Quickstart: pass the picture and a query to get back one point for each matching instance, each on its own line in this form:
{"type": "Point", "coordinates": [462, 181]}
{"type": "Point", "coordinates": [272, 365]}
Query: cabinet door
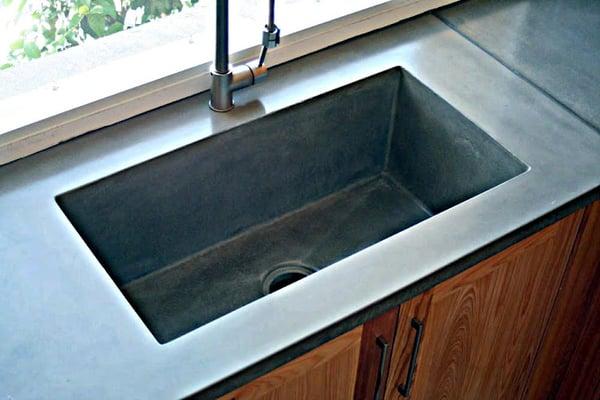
{"type": "Point", "coordinates": [482, 328]}
{"type": "Point", "coordinates": [375, 353]}
{"type": "Point", "coordinates": [568, 364]}
{"type": "Point", "coordinates": [327, 372]}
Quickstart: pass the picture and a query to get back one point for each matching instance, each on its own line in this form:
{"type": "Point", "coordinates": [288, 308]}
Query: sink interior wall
{"type": "Point", "coordinates": [152, 215]}
{"type": "Point", "coordinates": [189, 236]}
{"type": "Point", "coordinates": [439, 155]}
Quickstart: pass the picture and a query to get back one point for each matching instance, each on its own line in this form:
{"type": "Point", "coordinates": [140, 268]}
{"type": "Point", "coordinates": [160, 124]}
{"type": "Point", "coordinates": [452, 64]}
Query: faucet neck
{"type": "Point", "coordinates": [222, 34]}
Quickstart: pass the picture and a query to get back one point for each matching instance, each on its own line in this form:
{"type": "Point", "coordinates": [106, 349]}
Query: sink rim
{"type": "Point", "coordinates": [404, 81]}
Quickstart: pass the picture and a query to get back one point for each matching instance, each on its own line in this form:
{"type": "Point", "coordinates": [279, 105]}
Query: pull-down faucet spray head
{"type": "Point", "coordinates": [271, 34]}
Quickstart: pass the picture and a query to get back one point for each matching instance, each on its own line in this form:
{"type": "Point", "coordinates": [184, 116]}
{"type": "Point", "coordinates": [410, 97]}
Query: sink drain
{"type": "Point", "coordinates": [285, 274]}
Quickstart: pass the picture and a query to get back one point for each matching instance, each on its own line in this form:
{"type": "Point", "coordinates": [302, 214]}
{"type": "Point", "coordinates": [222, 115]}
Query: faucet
{"type": "Point", "coordinates": [226, 78]}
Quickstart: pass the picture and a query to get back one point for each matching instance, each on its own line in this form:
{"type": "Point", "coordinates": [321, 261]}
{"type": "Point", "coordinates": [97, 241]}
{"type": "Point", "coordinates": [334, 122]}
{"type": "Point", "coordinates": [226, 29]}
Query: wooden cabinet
{"type": "Point", "coordinates": [375, 356]}
{"type": "Point", "coordinates": [523, 324]}
{"type": "Point", "coordinates": [482, 328]}
{"type": "Point", "coordinates": [327, 372]}
{"type": "Point", "coordinates": [568, 364]}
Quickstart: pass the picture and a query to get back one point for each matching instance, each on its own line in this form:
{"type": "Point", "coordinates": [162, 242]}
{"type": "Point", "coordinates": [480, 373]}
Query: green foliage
{"type": "Point", "coordinates": [59, 24]}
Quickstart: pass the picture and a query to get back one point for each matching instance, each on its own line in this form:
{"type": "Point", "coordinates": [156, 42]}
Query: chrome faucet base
{"type": "Point", "coordinates": [224, 84]}
{"type": "Point", "coordinates": [221, 96]}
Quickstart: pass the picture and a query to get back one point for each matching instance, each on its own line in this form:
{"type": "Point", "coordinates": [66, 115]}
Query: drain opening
{"type": "Point", "coordinates": [285, 274]}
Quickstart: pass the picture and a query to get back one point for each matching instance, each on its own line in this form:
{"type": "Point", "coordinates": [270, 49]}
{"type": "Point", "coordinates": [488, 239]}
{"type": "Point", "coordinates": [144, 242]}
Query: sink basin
{"type": "Point", "coordinates": [199, 232]}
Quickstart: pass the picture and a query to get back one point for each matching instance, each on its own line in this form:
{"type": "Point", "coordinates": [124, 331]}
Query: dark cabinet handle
{"type": "Point", "coordinates": [418, 327]}
{"type": "Point", "coordinates": [383, 366]}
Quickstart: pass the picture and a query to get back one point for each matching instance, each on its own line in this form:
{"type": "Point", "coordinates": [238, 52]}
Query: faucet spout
{"type": "Point", "coordinates": [222, 45]}
{"type": "Point", "coordinates": [227, 79]}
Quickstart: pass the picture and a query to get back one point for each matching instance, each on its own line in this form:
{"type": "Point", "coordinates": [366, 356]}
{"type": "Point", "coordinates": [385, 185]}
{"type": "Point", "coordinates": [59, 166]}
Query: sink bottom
{"type": "Point", "coordinates": [192, 292]}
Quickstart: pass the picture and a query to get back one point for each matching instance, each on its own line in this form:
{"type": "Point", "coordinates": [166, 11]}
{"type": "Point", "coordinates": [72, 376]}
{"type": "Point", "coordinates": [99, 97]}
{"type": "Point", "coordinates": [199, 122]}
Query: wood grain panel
{"type": "Point", "coordinates": [482, 328]}
{"type": "Point", "coordinates": [568, 364]}
{"type": "Point", "coordinates": [327, 372]}
{"type": "Point", "coordinates": [383, 326]}
{"type": "Point", "coordinates": [582, 380]}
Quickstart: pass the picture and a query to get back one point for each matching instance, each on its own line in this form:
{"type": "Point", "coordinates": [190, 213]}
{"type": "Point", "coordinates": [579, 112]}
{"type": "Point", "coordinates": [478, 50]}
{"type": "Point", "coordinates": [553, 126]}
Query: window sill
{"type": "Point", "coordinates": [63, 109]}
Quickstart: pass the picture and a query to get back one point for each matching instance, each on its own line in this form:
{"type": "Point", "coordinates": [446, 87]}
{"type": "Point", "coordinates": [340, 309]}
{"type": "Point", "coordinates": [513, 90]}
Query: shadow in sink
{"type": "Point", "coordinates": [193, 234]}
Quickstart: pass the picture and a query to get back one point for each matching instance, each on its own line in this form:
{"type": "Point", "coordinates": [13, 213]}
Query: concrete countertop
{"type": "Point", "coordinates": [553, 44]}
{"type": "Point", "coordinates": [68, 332]}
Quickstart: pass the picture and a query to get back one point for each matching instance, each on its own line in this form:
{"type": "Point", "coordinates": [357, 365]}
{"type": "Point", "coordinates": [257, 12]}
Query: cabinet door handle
{"type": "Point", "coordinates": [410, 375]}
{"type": "Point", "coordinates": [383, 366]}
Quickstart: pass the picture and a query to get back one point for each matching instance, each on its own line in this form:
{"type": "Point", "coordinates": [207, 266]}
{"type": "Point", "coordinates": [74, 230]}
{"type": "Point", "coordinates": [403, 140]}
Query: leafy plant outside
{"type": "Point", "coordinates": [42, 27]}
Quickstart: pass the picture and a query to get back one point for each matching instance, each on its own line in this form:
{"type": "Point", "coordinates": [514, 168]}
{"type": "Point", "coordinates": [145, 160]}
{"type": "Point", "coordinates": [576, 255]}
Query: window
{"type": "Point", "coordinates": [35, 28]}
{"type": "Point", "coordinates": [113, 65]}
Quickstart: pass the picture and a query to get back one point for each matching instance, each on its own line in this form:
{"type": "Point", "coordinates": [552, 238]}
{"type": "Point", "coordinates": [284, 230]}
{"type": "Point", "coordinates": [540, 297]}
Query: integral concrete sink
{"type": "Point", "coordinates": [197, 233]}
